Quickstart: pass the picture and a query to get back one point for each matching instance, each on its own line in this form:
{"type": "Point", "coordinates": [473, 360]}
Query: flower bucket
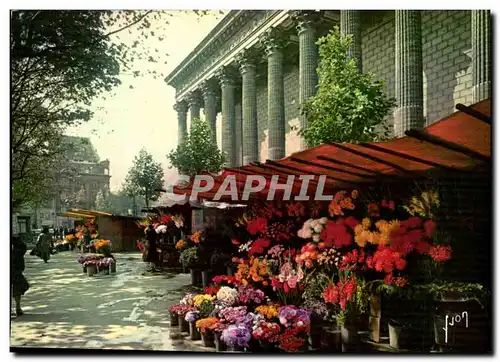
{"type": "Point", "coordinates": [331, 339]}
{"type": "Point", "coordinates": [174, 319]}
{"type": "Point", "coordinates": [91, 270]}
{"type": "Point", "coordinates": [105, 271]}
{"type": "Point", "coordinates": [113, 268]}
{"type": "Point", "coordinates": [183, 324]}
{"type": "Point", "coordinates": [84, 270]}
{"type": "Point", "coordinates": [266, 347]}
{"type": "Point", "coordinates": [236, 349]}
{"type": "Point", "coordinates": [194, 276]}
{"type": "Point", "coordinates": [204, 278]}
{"type": "Point", "coordinates": [194, 333]}
{"type": "Point", "coordinates": [219, 344]}
{"type": "Point", "coordinates": [349, 335]}
{"type": "Point", "coordinates": [229, 270]}
{"type": "Point", "coordinates": [315, 334]}
{"type": "Point", "coordinates": [396, 334]}
{"type": "Point", "coordinates": [207, 338]}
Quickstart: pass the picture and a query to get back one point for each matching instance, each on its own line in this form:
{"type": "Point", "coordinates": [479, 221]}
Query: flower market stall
{"type": "Point", "coordinates": [397, 252]}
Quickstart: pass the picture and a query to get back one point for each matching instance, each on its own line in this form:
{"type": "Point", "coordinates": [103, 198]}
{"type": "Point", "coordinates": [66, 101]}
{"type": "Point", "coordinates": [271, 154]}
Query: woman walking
{"type": "Point", "coordinates": [44, 244]}
{"type": "Point", "coordinates": [18, 282]}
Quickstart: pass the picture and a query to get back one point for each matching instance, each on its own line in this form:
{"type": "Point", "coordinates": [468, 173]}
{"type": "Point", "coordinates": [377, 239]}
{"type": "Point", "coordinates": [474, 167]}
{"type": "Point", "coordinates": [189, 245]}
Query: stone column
{"type": "Point", "coordinates": [195, 103]}
{"type": "Point", "coordinates": [226, 77]}
{"type": "Point", "coordinates": [247, 63]}
{"type": "Point", "coordinates": [409, 80]}
{"type": "Point", "coordinates": [308, 61]}
{"type": "Point", "coordinates": [481, 55]}
{"type": "Point", "coordinates": [181, 107]}
{"type": "Point", "coordinates": [350, 25]}
{"type": "Point", "coordinates": [209, 97]}
{"type": "Point", "coordinates": [275, 94]}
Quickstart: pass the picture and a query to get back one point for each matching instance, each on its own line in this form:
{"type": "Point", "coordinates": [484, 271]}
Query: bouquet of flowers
{"type": "Point", "coordinates": [189, 257]}
{"type": "Point", "coordinates": [292, 316]}
{"type": "Point", "coordinates": [270, 311]}
{"type": "Point", "coordinates": [192, 316]}
{"type": "Point", "coordinates": [312, 229]}
{"type": "Point", "coordinates": [207, 324]}
{"type": "Point", "coordinates": [103, 246]}
{"type": "Point", "coordinates": [188, 299]}
{"type": "Point", "coordinates": [232, 315]}
{"type": "Point", "coordinates": [181, 244]}
{"type": "Point", "coordinates": [200, 298]}
{"type": "Point", "coordinates": [105, 262]}
{"type": "Point", "coordinates": [236, 335]}
{"type": "Point", "coordinates": [224, 279]}
{"type": "Point", "coordinates": [228, 295]}
{"type": "Point", "coordinates": [266, 331]}
{"type": "Point", "coordinates": [161, 229]}
{"type": "Point", "coordinates": [180, 309]}
{"type": "Point", "coordinates": [249, 294]}
{"type": "Point", "coordinates": [211, 289]}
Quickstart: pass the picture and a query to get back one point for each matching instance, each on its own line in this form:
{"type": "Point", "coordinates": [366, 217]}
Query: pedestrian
{"type": "Point", "coordinates": [152, 253]}
{"type": "Point", "coordinates": [44, 244]}
{"type": "Point", "coordinates": [18, 282]}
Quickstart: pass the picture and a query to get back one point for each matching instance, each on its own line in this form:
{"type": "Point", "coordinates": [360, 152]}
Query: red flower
{"type": "Point", "coordinates": [430, 228]}
{"type": "Point", "coordinates": [351, 222]}
{"type": "Point", "coordinates": [211, 289]}
{"type": "Point", "coordinates": [422, 247]}
{"type": "Point", "coordinates": [290, 253]}
{"type": "Point", "coordinates": [258, 225]}
{"type": "Point", "coordinates": [413, 222]}
{"type": "Point", "coordinates": [331, 294]}
{"type": "Point", "coordinates": [440, 253]}
{"type": "Point", "coordinates": [335, 234]}
{"type": "Point", "coordinates": [258, 246]}
{"type": "Point", "coordinates": [235, 241]}
{"type": "Point", "coordinates": [290, 342]}
{"type": "Point", "coordinates": [297, 209]}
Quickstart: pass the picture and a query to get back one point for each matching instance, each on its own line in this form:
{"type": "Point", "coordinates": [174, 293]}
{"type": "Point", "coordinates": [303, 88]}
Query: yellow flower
{"type": "Point", "coordinates": [198, 299]}
{"type": "Point", "coordinates": [366, 222]}
{"type": "Point", "coordinates": [179, 244]}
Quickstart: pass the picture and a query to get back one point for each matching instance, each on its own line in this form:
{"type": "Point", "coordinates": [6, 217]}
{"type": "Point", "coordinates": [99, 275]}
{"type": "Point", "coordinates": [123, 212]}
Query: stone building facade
{"type": "Point", "coordinates": [252, 72]}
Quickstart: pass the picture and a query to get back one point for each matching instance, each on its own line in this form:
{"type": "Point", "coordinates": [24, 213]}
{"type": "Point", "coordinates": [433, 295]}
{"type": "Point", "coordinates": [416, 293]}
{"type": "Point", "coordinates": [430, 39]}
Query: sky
{"type": "Point", "coordinates": [144, 116]}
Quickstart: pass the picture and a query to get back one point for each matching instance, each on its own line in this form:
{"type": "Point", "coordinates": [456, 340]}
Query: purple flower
{"type": "Point", "coordinates": [232, 314]}
{"type": "Point", "coordinates": [250, 295]}
{"type": "Point", "coordinates": [316, 308]}
{"type": "Point", "coordinates": [290, 315]}
{"type": "Point", "coordinates": [236, 335]}
{"type": "Point", "coordinates": [192, 316]}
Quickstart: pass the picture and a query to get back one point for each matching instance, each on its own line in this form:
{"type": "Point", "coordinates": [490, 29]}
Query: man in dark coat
{"type": "Point", "coordinates": [18, 282]}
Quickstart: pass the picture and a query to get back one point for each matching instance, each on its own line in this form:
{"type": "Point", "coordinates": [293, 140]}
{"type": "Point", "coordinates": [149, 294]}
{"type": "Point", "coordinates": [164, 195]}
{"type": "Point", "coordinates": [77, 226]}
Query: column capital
{"type": "Point", "coordinates": [273, 41]}
{"type": "Point", "coordinates": [194, 98]}
{"type": "Point", "coordinates": [305, 19]}
{"type": "Point", "coordinates": [181, 106]}
{"type": "Point", "coordinates": [247, 60]}
{"type": "Point", "coordinates": [227, 75]}
{"type": "Point", "coordinates": [208, 88]}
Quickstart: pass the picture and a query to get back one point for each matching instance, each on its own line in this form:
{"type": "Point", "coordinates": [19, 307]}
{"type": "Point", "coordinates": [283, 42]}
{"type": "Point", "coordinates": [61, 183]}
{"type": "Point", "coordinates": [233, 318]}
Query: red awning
{"type": "Point", "coordinates": [457, 142]}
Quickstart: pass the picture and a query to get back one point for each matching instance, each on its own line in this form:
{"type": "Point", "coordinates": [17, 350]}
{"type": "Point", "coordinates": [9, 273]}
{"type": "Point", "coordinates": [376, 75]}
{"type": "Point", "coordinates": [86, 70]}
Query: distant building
{"type": "Point", "coordinates": [91, 176]}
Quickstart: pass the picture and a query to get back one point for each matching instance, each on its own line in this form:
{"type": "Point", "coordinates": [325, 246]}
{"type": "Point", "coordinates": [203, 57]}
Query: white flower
{"type": "Point", "coordinates": [227, 294]}
{"type": "Point", "coordinates": [307, 234]}
{"type": "Point", "coordinates": [161, 229]}
{"type": "Point", "coordinates": [318, 228]}
{"type": "Point", "coordinates": [323, 220]}
{"type": "Point", "coordinates": [299, 233]}
{"type": "Point", "coordinates": [307, 224]}
{"type": "Point", "coordinates": [316, 238]}
{"type": "Point", "coordinates": [313, 224]}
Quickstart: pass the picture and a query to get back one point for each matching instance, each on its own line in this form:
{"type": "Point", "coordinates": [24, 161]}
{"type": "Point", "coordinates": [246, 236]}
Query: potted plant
{"type": "Point", "coordinates": [191, 317]}
{"type": "Point", "coordinates": [189, 259]}
{"type": "Point", "coordinates": [172, 310]}
{"type": "Point", "coordinates": [207, 326]}
{"type": "Point", "coordinates": [182, 310]}
{"type": "Point", "coordinates": [236, 337]}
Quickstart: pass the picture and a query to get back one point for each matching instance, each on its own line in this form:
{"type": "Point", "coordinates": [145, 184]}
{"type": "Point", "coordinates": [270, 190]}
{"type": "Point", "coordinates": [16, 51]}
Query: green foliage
{"type": "Point", "coordinates": [316, 283]}
{"type": "Point", "coordinates": [198, 153]}
{"type": "Point", "coordinates": [144, 177]}
{"type": "Point", "coordinates": [206, 308]}
{"type": "Point", "coordinates": [189, 257]}
{"type": "Point", "coordinates": [61, 60]}
{"type": "Point", "coordinates": [102, 202]}
{"type": "Point", "coordinates": [349, 106]}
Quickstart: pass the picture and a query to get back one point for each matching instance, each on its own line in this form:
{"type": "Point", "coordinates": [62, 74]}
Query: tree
{"type": "Point", "coordinates": [60, 62]}
{"type": "Point", "coordinates": [349, 106]}
{"type": "Point", "coordinates": [103, 202]}
{"type": "Point", "coordinates": [144, 178]}
{"type": "Point", "coordinates": [198, 153]}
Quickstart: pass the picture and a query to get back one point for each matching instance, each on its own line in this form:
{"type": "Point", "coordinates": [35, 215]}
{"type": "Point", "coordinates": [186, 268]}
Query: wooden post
{"type": "Point", "coordinates": [375, 315]}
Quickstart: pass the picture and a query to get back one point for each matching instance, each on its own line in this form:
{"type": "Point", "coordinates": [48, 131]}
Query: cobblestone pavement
{"type": "Point", "coordinates": [64, 308]}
